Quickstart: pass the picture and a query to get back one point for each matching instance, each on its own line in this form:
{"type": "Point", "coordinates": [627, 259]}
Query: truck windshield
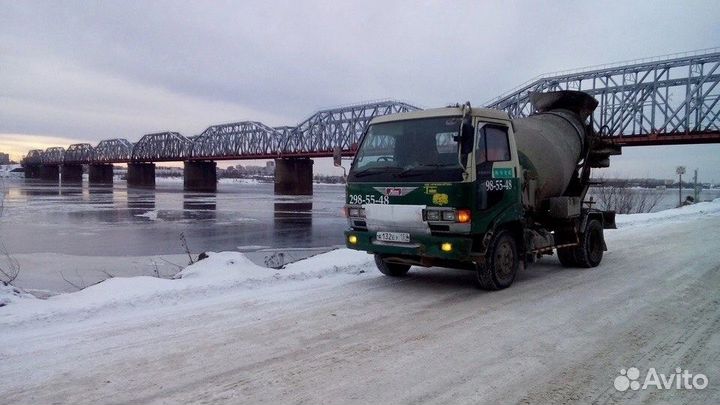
{"type": "Point", "coordinates": [410, 151]}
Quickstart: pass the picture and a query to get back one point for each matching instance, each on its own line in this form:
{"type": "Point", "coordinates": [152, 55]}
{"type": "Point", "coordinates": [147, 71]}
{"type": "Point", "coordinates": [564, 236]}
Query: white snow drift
{"type": "Point", "coordinates": [219, 272]}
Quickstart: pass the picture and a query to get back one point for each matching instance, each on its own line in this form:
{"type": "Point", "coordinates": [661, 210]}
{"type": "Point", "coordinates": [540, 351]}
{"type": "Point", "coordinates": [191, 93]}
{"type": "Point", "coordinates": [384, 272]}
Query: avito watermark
{"type": "Point", "coordinates": [679, 380]}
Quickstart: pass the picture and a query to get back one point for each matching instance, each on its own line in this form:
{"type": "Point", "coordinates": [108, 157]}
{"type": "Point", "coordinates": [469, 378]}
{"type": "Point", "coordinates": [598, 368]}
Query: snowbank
{"type": "Point", "coordinates": [212, 276]}
{"type": "Point", "coordinates": [671, 215]}
{"type": "Point", "coordinates": [10, 294]}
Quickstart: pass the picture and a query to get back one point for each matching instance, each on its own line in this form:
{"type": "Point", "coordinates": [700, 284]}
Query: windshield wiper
{"type": "Point", "coordinates": [423, 169]}
{"type": "Point", "coordinates": [437, 165]}
{"type": "Point", "coordinates": [374, 170]}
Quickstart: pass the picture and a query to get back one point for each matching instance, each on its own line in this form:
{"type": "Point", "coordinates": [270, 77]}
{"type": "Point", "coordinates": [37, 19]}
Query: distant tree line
{"type": "Point", "coordinates": [651, 183]}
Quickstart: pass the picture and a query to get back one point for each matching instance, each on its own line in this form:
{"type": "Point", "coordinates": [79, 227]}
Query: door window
{"type": "Point", "coordinates": [493, 145]}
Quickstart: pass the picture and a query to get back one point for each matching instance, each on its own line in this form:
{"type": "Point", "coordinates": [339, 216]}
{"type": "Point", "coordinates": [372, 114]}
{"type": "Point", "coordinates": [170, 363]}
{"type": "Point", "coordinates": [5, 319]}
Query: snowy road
{"type": "Point", "coordinates": [351, 335]}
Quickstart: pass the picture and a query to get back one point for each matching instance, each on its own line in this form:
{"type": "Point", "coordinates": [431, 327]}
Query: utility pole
{"type": "Point", "coordinates": [680, 170]}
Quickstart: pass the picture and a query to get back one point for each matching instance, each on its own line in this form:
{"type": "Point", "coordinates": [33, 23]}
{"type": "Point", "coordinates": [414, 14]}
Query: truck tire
{"type": "Point", "coordinates": [501, 263]}
{"type": "Point", "coordinates": [391, 269]}
{"type": "Point", "coordinates": [590, 251]}
{"type": "Point", "coordinates": [567, 256]}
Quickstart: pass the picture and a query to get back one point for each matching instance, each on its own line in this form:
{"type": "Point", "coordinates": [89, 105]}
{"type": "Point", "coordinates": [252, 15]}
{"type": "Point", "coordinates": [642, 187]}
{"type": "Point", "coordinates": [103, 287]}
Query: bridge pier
{"type": "Point", "coordinates": [71, 173]}
{"type": "Point", "coordinates": [200, 176]}
{"type": "Point", "coordinates": [50, 172]}
{"type": "Point", "coordinates": [141, 174]}
{"type": "Point", "coordinates": [32, 171]}
{"type": "Point", "coordinates": [294, 176]}
{"type": "Point", "coordinates": [101, 173]}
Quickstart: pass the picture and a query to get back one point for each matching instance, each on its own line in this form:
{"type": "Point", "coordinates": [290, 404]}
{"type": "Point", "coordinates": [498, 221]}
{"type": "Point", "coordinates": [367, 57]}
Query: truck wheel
{"type": "Point", "coordinates": [590, 251]}
{"type": "Point", "coordinates": [391, 269]}
{"type": "Point", "coordinates": [501, 264]}
{"type": "Point", "coordinates": [567, 256]}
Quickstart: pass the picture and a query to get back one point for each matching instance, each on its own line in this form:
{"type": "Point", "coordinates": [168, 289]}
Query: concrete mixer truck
{"type": "Point", "coordinates": [471, 188]}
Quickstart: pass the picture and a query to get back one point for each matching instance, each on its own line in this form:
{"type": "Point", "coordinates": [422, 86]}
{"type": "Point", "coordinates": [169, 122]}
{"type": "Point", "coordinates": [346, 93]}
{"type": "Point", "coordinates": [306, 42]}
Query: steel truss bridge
{"type": "Point", "coordinates": [317, 136]}
{"type": "Point", "coordinates": [659, 101]}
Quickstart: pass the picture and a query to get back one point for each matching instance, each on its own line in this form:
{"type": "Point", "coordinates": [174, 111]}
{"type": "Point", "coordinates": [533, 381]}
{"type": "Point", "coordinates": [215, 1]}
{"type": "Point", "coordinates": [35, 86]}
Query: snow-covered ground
{"type": "Point", "coordinates": [331, 329]}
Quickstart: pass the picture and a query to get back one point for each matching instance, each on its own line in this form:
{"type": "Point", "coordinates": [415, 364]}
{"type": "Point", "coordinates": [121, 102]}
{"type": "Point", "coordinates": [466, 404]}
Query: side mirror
{"type": "Point", "coordinates": [337, 156]}
{"type": "Point", "coordinates": [466, 136]}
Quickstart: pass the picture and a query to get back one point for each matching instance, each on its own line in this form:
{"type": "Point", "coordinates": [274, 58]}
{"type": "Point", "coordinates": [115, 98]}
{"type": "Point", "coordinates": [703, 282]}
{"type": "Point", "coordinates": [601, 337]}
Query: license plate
{"type": "Point", "coordinates": [393, 237]}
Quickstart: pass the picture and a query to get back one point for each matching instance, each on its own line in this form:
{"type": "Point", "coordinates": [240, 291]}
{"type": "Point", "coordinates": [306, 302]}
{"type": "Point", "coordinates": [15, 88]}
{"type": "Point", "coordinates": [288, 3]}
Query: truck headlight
{"type": "Point", "coordinates": [448, 215]}
{"type": "Point", "coordinates": [356, 212]}
{"type": "Point", "coordinates": [432, 215]}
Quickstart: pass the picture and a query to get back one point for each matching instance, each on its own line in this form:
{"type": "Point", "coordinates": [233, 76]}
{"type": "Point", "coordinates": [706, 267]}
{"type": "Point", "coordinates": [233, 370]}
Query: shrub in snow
{"type": "Point", "coordinates": [9, 294]}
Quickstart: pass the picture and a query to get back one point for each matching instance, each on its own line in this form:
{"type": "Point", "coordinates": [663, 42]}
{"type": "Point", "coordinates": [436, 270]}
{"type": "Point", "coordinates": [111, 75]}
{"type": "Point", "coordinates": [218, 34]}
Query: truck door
{"type": "Point", "coordinates": [496, 173]}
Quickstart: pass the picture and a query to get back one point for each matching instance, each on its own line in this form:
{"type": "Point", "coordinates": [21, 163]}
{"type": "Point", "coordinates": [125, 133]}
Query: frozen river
{"type": "Point", "coordinates": [80, 232]}
{"type": "Point", "coordinates": [106, 221]}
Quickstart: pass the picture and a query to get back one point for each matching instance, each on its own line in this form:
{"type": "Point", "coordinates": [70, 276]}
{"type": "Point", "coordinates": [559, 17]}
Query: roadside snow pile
{"type": "Point", "coordinates": [10, 294]}
{"type": "Point", "coordinates": [226, 267]}
{"type": "Point", "coordinates": [233, 267]}
{"type": "Point", "coordinates": [218, 273]}
{"type": "Point", "coordinates": [671, 215]}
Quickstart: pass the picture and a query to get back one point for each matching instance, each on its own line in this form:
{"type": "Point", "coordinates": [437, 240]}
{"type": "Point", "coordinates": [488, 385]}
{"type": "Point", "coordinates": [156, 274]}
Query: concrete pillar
{"type": "Point", "coordinates": [71, 173]}
{"type": "Point", "coordinates": [294, 176]}
{"type": "Point", "coordinates": [200, 176]}
{"type": "Point", "coordinates": [141, 174]}
{"type": "Point", "coordinates": [100, 173]}
{"type": "Point", "coordinates": [32, 171]}
{"type": "Point", "coordinates": [50, 172]}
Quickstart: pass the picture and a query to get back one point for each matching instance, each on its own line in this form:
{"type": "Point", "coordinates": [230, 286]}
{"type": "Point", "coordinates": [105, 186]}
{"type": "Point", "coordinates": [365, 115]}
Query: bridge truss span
{"type": "Point", "coordinates": [113, 151]}
{"type": "Point", "coordinates": [162, 147]}
{"type": "Point", "coordinates": [79, 153]}
{"type": "Point", "coordinates": [227, 141]}
{"type": "Point", "coordinates": [339, 127]}
{"type": "Point", "coordinates": [53, 156]}
{"type": "Point", "coordinates": [34, 157]}
{"type": "Point", "coordinates": [667, 101]}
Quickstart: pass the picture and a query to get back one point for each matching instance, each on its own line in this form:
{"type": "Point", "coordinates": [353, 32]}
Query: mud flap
{"type": "Point", "coordinates": [608, 220]}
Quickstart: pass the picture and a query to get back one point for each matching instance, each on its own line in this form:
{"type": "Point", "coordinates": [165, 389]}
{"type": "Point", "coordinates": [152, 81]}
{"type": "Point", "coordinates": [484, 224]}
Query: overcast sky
{"type": "Point", "coordinates": [86, 71]}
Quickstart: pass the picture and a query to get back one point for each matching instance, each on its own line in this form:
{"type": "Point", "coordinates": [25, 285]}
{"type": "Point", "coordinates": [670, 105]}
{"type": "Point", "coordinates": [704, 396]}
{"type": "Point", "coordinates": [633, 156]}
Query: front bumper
{"type": "Point", "coordinates": [421, 246]}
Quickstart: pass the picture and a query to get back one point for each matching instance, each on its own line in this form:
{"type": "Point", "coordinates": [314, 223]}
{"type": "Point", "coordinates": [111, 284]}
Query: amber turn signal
{"type": "Point", "coordinates": [463, 216]}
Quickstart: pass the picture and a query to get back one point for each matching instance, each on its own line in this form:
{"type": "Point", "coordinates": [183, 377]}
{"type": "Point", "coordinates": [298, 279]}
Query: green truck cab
{"type": "Point", "coordinates": [450, 187]}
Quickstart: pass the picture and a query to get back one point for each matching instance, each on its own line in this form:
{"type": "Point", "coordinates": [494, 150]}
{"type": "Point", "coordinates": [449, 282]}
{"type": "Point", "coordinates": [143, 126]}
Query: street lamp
{"type": "Point", "coordinates": [680, 170]}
